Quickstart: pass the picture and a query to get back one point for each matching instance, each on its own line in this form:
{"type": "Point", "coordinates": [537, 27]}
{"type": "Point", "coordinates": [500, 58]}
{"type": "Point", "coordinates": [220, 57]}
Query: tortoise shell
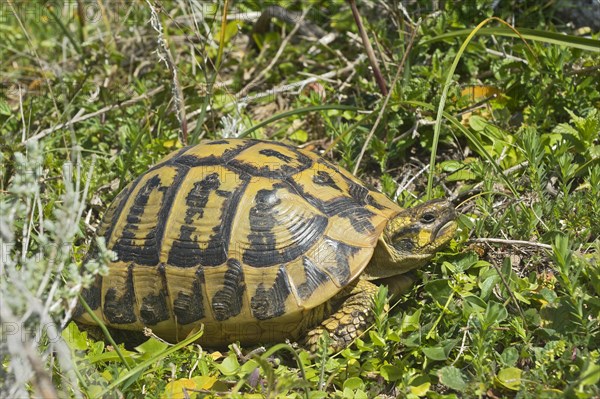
{"type": "Point", "coordinates": [246, 237]}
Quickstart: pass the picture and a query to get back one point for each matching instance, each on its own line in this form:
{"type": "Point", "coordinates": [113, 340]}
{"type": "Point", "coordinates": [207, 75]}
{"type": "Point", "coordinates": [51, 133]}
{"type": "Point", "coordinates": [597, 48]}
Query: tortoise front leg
{"type": "Point", "coordinates": [355, 314]}
{"type": "Point", "coordinates": [352, 318]}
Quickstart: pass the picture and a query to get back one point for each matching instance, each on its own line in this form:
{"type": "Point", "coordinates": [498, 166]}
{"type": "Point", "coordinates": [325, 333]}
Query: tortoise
{"type": "Point", "coordinates": [259, 242]}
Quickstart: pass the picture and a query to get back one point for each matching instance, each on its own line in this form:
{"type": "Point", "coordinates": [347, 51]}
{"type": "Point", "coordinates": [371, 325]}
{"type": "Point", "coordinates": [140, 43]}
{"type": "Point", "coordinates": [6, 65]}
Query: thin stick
{"type": "Point", "coordinates": [164, 54]}
{"type": "Point", "coordinates": [283, 45]}
{"type": "Point", "coordinates": [101, 111]}
{"type": "Point", "coordinates": [387, 98]}
{"type": "Point", "coordinates": [289, 87]}
{"type": "Point", "coordinates": [512, 295]}
{"type": "Point", "coordinates": [222, 36]}
{"type": "Point", "coordinates": [512, 242]}
{"type": "Point", "coordinates": [365, 39]}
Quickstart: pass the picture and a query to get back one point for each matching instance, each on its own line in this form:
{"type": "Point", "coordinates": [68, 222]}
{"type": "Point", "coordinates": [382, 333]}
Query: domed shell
{"type": "Point", "coordinates": [234, 234]}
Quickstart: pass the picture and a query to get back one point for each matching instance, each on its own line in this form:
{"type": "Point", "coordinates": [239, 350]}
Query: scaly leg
{"type": "Point", "coordinates": [353, 316]}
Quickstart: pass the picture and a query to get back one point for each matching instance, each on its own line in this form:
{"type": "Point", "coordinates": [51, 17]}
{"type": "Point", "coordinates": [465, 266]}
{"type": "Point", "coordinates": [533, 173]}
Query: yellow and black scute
{"type": "Point", "coordinates": [247, 237]}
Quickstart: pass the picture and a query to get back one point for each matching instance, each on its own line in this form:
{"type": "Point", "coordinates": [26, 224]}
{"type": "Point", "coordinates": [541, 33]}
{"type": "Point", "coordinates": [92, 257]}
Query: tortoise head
{"type": "Point", "coordinates": [412, 237]}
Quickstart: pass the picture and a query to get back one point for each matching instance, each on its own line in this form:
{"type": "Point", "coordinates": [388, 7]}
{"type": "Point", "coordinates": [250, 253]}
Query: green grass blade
{"type": "Point", "coordinates": [440, 110]}
{"type": "Point", "coordinates": [137, 370]}
{"type": "Point", "coordinates": [477, 146]}
{"type": "Point", "coordinates": [559, 39]}
{"type": "Point", "coordinates": [438, 120]}
{"type": "Point", "coordinates": [64, 29]}
{"type": "Point", "coordinates": [104, 329]}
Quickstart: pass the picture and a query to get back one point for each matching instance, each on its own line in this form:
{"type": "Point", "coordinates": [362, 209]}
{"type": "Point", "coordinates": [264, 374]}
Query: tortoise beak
{"type": "Point", "coordinates": [446, 227]}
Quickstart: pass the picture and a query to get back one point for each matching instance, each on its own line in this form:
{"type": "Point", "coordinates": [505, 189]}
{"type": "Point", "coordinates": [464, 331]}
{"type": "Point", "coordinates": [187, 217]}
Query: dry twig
{"type": "Point", "coordinates": [512, 242]}
{"type": "Point", "coordinates": [80, 118]}
{"type": "Point", "coordinates": [284, 44]}
{"type": "Point", "coordinates": [365, 39]}
{"type": "Point", "coordinates": [387, 98]}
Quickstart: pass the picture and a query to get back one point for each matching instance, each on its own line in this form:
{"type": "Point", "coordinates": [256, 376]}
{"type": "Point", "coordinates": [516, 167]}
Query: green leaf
{"type": "Point", "coordinates": [76, 339]}
{"type": "Point", "coordinates": [229, 366]}
{"type": "Point", "coordinates": [390, 373]}
{"type": "Point", "coordinates": [249, 366]}
{"type": "Point", "coordinates": [299, 135]}
{"type": "Point", "coordinates": [591, 375]}
{"type": "Point", "coordinates": [462, 175]}
{"type": "Point", "coordinates": [180, 389]}
{"type": "Point", "coordinates": [420, 386]}
{"type": "Point", "coordinates": [435, 353]}
{"type": "Point", "coordinates": [488, 285]}
{"type": "Point", "coordinates": [360, 394]}
{"type": "Point", "coordinates": [439, 290]}
{"type": "Point", "coordinates": [4, 108]}
{"type": "Point", "coordinates": [354, 383]}
{"type": "Point", "coordinates": [317, 394]}
{"type": "Point", "coordinates": [231, 29]}
{"type": "Point", "coordinates": [477, 123]}
{"type": "Point", "coordinates": [412, 322]}
{"type": "Point", "coordinates": [510, 378]}
{"type": "Point", "coordinates": [494, 314]}
{"type": "Point", "coordinates": [475, 301]}
{"type": "Point", "coordinates": [510, 356]}
{"type": "Point", "coordinates": [452, 377]}
{"type": "Point", "coordinates": [377, 339]}
{"type": "Point", "coordinates": [151, 347]}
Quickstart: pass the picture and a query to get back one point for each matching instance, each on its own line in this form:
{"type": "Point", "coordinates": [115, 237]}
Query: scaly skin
{"type": "Point", "coordinates": [355, 313]}
{"type": "Point", "coordinates": [350, 320]}
{"type": "Point", "coordinates": [409, 241]}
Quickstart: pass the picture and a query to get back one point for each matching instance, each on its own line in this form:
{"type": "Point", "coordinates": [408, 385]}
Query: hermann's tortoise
{"type": "Point", "coordinates": [259, 242]}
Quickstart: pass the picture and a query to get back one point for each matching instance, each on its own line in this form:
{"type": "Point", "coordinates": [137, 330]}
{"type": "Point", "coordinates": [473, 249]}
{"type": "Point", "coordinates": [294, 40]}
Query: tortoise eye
{"type": "Point", "coordinates": [427, 218]}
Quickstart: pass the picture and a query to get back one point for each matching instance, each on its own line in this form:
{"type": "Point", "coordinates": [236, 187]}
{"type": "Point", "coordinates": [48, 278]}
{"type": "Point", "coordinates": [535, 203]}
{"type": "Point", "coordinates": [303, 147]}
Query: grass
{"type": "Point", "coordinates": [504, 122]}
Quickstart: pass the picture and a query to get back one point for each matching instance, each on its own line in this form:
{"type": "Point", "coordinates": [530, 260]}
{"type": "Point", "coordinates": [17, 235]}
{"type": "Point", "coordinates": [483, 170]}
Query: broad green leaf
{"type": "Point", "coordinates": [249, 366]}
{"type": "Point", "coordinates": [420, 385]}
{"type": "Point", "coordinates": [495, 313]}
{"type": "Point", "coordinates": [76, 339]}
{"type": "Point", "coordinates": [150, 348]}
{"type": "Point", "coordinates": [440, 290]}
{"type": "Point", "coordinates": [488, 284]}
{"type": "Point", "coordinates": [412, 322]}
{"type": "Point", "coordinates": [452, 377]}
{"type": "Point", "coordinates": [435, 353]}
{"type": "Point", "coordinates": [4, 108]}
{"type": "Point", "coordinates": [510, 378]}
{"type": "Point", "coordinates": [510, 356]}
{"type": "Point", "coordinates": [360, 394]}
{"type": "Point", "coordinates": [317, 394]}
{"type": "Point", "coordinates": [377, 339]}
{"type": "Point", "coordinates": [591, 375]}
{"type": "Point", "coordinates": [205, 381]}
{"type": "Point", "coordinates": [390, 373]}
{"type": "Point", "coordinates": [354, 383]}
{"type": "Point", "coordinates": [300, 136]}
{"type": "Point", "coordinates": [475, 301]}
{"type": "Point", "coordinates": [229, 365]}
{"type": "Point", "coordinates": [461, 175]}
{"type": "Point", "coordinates": [420, 390]}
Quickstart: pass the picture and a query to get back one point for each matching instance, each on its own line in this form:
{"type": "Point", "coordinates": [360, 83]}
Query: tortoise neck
{"type": "Point", "coordinates": [386, 262]}
{"type": "Point", "coordinates": [381, 264]}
